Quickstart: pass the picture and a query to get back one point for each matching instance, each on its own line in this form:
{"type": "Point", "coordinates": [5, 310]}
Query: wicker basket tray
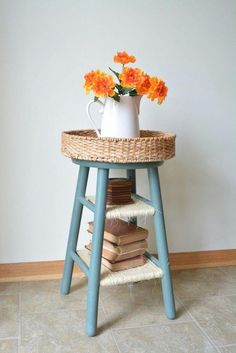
{"type": "Point", "coordinates": [151, 146]}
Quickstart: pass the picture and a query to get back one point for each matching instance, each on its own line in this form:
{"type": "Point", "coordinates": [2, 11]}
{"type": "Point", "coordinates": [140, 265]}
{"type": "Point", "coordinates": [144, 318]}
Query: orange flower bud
{"type": "Point", "coordinates": [124, 58]}
{"type": "Point", "coordinates": [158, 90]}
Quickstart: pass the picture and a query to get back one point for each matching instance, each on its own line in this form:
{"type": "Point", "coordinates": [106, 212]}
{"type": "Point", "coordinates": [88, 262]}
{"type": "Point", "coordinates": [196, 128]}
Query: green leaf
{"type": "Point", "coordinates": [115, 73]}
{"type": "Point", "coordinates": [133, 93]}
{"type": "Point", "coordinates": [119, 88]}
{"type": "Point", "coordinates": [127, 90]}
{"type": "Point", "coordinates": [122, 90]}
{"type": "Point", "coordinates": [116, 97]}
{"type": "Point", "coordinates": [96, 99]}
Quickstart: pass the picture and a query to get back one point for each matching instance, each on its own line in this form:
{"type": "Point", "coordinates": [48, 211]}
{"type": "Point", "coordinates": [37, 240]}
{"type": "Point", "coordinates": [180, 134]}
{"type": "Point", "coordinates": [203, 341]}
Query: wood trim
{"type": "Point", "coordinates": [29, 271]}
{"type": "Point", "coordinates": [199, 259]}
{"type": "Point", "coordinates": [34, 271]}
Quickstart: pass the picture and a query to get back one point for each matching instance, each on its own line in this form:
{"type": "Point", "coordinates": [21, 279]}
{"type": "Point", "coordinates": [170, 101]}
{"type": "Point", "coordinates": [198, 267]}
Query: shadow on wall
{"type": "Point", "coordinates": [195, 200]}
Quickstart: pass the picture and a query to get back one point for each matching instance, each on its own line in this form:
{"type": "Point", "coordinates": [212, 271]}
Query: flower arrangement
{"type": "Point", "coordinates": [132, 82]}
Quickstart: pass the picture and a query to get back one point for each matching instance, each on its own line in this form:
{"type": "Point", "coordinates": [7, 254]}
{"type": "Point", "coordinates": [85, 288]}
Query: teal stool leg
{"type": "Point", "coordinates": [161, 243]}
{"type": "Point", "coordinates": [132, 176]}
{"type": "Point", "coordinates": [74, 229]}
{"type": "Point", "coordinates": [95, 261]}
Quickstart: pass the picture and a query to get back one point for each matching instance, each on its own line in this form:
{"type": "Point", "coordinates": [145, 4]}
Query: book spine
{"type": "Point", "coordinates": [107, 236]}
{"type": "Point", "coordinates": [110, 256]}
{"type": "Point", "coordinates": [130, 255]}
{"type": "Point", "coordinates": [131, 239]}
{"type": "Point", "coordinates": [126, 264]}
{"type": "Point", "coordinates": [123, 249]}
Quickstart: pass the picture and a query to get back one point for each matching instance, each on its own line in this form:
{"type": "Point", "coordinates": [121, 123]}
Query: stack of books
{"type": "Point", "coordinates": [124, 244]}
{"type": "Point", "coordinates": [119, 191]}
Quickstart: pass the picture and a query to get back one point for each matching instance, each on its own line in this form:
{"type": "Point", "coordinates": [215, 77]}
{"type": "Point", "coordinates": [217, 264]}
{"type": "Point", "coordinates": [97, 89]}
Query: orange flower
{"type": "Point", "coordinates": [124, 58]}
{"type": "Point", "coordinates": [103, 85]}
{"type": "Point", "coordinates": [100, 83]}
{"type": "Point", "coordinates": [131, 78]}
{"type": "Point", "coordinates": [144, 86]}
{"type": "Point", "coordinates": [89, 80]}
{"type": "Point", "coordinates": [158, 90]}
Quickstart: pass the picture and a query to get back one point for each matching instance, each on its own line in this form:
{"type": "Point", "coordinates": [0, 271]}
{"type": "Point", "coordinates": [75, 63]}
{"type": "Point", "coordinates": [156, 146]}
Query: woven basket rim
{"type": "Point", "coordinates": [162, 134]}
{"type": "Point", "coordinates": [152, 146]}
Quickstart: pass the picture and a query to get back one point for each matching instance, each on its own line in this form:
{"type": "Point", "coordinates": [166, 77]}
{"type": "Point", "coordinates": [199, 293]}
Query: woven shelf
{"type": "Point", "coordinates": [136, 209]}
{"type": "Point", "coordinates": [151, 146]}
{"type": "Point", "coordinates": [109, 278]}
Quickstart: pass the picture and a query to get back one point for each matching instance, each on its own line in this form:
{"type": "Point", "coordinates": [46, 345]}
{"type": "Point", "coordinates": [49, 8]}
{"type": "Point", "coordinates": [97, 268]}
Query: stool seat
{"type": "Point", "coordinates": [108, 278]}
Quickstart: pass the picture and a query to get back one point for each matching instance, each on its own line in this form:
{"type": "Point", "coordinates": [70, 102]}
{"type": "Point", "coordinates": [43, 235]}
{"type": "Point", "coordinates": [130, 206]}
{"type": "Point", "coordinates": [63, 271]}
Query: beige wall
{"type": "Point", "coordinates": [47, 46]}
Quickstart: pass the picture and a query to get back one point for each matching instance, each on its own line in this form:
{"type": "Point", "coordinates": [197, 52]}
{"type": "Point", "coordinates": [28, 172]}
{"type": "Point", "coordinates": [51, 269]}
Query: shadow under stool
{"type": "Point", "coordinates": [100, 213]}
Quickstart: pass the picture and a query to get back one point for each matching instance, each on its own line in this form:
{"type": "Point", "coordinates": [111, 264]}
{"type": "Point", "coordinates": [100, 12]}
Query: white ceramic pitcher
{"type": "Point", "coordinates": [119, 119]}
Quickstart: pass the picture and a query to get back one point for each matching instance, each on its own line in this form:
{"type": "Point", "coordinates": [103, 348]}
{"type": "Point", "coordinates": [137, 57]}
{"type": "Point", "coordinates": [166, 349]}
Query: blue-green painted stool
{"type": "Point", "coordinates": [99, 209]}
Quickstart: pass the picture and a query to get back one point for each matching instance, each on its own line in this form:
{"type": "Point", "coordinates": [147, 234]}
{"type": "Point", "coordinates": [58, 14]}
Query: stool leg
{"type": "Point", "coordinates": [161, 242]}
{"type": "Point", "coordinates": [74, 229]}
{"type": "Point", "coordinates": [132, 176]}
{"type": "Point", "coordinates": [96, 254]}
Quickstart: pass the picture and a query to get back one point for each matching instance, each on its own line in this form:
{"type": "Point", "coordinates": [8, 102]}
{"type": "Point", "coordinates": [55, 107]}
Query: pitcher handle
{"type": "Point", "coordinates": [90, 117]}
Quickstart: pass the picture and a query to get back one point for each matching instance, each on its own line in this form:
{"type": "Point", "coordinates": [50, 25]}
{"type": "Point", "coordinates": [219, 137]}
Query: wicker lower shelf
{"type": "Point", "coordinates": [136, 209]}
{"type": "Point", "coordinates": [151, 146]}
{"type": "Point", "coordinates": [108, 278]}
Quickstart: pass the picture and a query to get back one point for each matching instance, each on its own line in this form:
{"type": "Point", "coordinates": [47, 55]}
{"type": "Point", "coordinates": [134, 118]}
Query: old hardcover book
{"type": "Point", "coordinates": [119, 191]}
{"type": "Point", "coordinates": [121, 232]}
{"type": "Point", "coordinates": [115, 253]}
{"type": "Point", "coordinates": [125, 264]}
